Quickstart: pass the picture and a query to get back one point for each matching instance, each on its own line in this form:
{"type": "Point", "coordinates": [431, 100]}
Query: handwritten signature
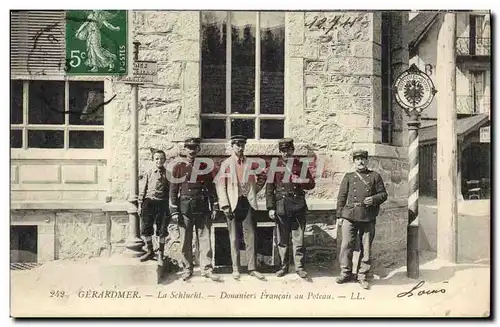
{"type": "Point", "coordinates": [421, 292]}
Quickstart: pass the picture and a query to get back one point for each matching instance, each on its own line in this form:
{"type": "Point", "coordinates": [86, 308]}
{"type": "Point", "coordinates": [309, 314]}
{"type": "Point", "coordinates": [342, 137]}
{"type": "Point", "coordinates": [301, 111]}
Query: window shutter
{"type": "Point", "coordinates": [37, 42]}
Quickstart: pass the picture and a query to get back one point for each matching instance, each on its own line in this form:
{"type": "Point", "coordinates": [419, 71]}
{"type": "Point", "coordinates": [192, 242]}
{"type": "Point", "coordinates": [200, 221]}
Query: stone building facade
{"type": "Point", "coordinates": [333, 103]}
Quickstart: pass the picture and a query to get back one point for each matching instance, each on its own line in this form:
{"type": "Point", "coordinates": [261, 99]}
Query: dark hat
{"type": "Point", "coordinates": [192, 141]}
{"type": "Point", "coordinates": [238, 139]}
{"type": "Point", "coordinates": [285, 143]}
{"type": "Point", "coordinates": [360, 153]}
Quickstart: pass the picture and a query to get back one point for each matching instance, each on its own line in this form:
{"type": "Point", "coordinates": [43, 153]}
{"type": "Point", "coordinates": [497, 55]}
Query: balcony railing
{"type": "Point", "coordinates": [469, 104]}
{"type": "Point", "coordinates": [473, 47]}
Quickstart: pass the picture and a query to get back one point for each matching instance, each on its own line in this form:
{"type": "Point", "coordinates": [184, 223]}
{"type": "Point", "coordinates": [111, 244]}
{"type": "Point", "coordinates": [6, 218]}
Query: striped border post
{"type": "Point", "coordinates": [412, 263]}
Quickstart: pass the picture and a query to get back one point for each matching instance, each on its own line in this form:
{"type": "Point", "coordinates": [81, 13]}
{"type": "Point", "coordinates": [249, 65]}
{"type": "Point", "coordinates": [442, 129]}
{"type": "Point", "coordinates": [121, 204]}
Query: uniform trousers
{"type": "Point", "coordinates": [202, 227]}
{"type": "Point", "coordinates": [365, 232]}
{"type": "Point", "coordinates": [293, 224]}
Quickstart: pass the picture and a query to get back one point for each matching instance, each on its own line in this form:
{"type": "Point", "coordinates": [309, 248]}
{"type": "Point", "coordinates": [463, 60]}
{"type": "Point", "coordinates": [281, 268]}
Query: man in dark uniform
{"type": "Point", "coordinates": [193, 202]}
{"type": "Point", "coordinates": [285, 200]}
{"type": "Point", "coordinates": [360, 196]}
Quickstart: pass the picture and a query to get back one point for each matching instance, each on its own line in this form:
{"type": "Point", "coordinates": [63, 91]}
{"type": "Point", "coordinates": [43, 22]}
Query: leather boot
{"type": "Point", "coordinates": [209, 274]}
{"type": "Point", "coordinates": [344, 278]}
{"type": "Point", "coordinates": [282, 272]}
{"type": "Point", "coordinates": [302, 273]}
{"type": "Point", "coordinates": [161, 251]}
{"type": "Point", "coordinates": [149, 252]}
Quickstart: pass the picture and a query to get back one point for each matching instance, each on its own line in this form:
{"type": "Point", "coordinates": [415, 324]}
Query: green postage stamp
{"type": "Point", "coordinates": [96, 42]}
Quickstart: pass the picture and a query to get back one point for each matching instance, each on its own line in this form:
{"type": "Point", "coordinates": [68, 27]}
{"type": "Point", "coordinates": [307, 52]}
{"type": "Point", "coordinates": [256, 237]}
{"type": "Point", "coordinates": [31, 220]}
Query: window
{"type": "Point", "coordinates": [47, 110]}
{"type": "Point", "coordinates": [51, 114]}
{"type": "Point", "coordinates": [386, 79]}
{"type": "Point", "coordinates": [242, 74]}
{"type": "Point", "coordinates": [479, 38]}
{"type": "Point", "coordinates": [479, 102]}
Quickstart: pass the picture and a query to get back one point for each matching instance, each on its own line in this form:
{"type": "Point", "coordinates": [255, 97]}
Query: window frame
{"type": "Point", "coordinates": [56, 153]}
{"type": "Point", "coordinates": [257, 115]}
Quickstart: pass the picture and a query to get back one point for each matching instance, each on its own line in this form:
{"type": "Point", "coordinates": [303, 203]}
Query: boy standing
{"type": "Point", "coordinates": [153, 206]}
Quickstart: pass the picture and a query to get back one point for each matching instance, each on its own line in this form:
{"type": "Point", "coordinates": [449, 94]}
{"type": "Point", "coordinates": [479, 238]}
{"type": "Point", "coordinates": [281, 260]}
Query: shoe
{"type": "Point", "coordinates": [364, 284]}
{"type": "Point", "coordinates": [149, 253]}
{"type": "Point", "coordinates": [236, 275]}
{"type": "Point", "coordinates": [343, 279]}
{"type": "Point", "coordinates": [282, 272]}
{"type": "Point", "coordinates": [302, 273]}
{"type": "Point", "coordinates": [187, 274]}
{"type": "Point", "coordinates": [211, 275]}
{"type": "Point", "coordinates": [256, 274]}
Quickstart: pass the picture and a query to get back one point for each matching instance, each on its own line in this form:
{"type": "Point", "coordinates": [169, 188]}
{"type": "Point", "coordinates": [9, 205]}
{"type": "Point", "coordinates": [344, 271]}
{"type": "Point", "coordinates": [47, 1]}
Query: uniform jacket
{"type": "Point", "coordinates": [190, 197]}
{"type": "Point", "coordinates": [285, 196]}
{"type": "Point", "coordinates": [353, 191]}
{"type": "Point", "coordinates": [227, 184]}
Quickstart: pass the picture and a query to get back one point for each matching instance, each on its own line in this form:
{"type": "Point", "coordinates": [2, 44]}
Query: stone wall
{"type": "Point", "coordinates": [118, 231]}
{"type": "Point", "coordinates": [390, 234]}
{"type": "Point", "coordinates": [66, 234]}
{"type": "Point", "coordinates": [169, 110]}
{"type": "Point", "coordinates": [320, 237]}
{"type": "Point", "coordinates": [80, 234]}
{"type": "Point", "coordinates": [330, 69]}
{"type": "Point", "coordinates": [394, 173]}
{"type": "Point", "coordinates": [332, 89]}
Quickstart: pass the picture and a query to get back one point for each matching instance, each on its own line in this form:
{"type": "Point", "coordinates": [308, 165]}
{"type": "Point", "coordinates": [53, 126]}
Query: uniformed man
{"type": "Point", "coordinates": [285, 200]}
{"type": "Point", "coordinates": [360, 196]}
{"type": "Point", "coordinates": [193, 202]}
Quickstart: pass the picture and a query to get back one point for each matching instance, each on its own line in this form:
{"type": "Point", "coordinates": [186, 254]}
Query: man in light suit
{"type": "Point", "coordinates": [237, 192]}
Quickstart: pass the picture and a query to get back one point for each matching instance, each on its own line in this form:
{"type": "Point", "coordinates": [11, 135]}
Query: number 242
{"type": "Point", "coordinates": [56, 293]}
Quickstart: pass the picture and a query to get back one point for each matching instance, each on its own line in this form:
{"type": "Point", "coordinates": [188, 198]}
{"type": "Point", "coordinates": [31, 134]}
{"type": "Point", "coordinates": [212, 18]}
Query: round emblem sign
{"type": "Point", "coordinates": [414, 90]}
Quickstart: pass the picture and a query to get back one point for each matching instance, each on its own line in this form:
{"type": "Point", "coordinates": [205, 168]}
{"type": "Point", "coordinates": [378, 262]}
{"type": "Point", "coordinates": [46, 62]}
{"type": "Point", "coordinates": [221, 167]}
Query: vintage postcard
{"type": "Point", "coordinates": [205, 163]}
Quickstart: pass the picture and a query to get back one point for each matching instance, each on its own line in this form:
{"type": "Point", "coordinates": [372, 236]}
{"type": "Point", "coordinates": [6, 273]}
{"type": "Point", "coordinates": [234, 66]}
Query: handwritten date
{"type": "Point", "coordinates": [328, 25]}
